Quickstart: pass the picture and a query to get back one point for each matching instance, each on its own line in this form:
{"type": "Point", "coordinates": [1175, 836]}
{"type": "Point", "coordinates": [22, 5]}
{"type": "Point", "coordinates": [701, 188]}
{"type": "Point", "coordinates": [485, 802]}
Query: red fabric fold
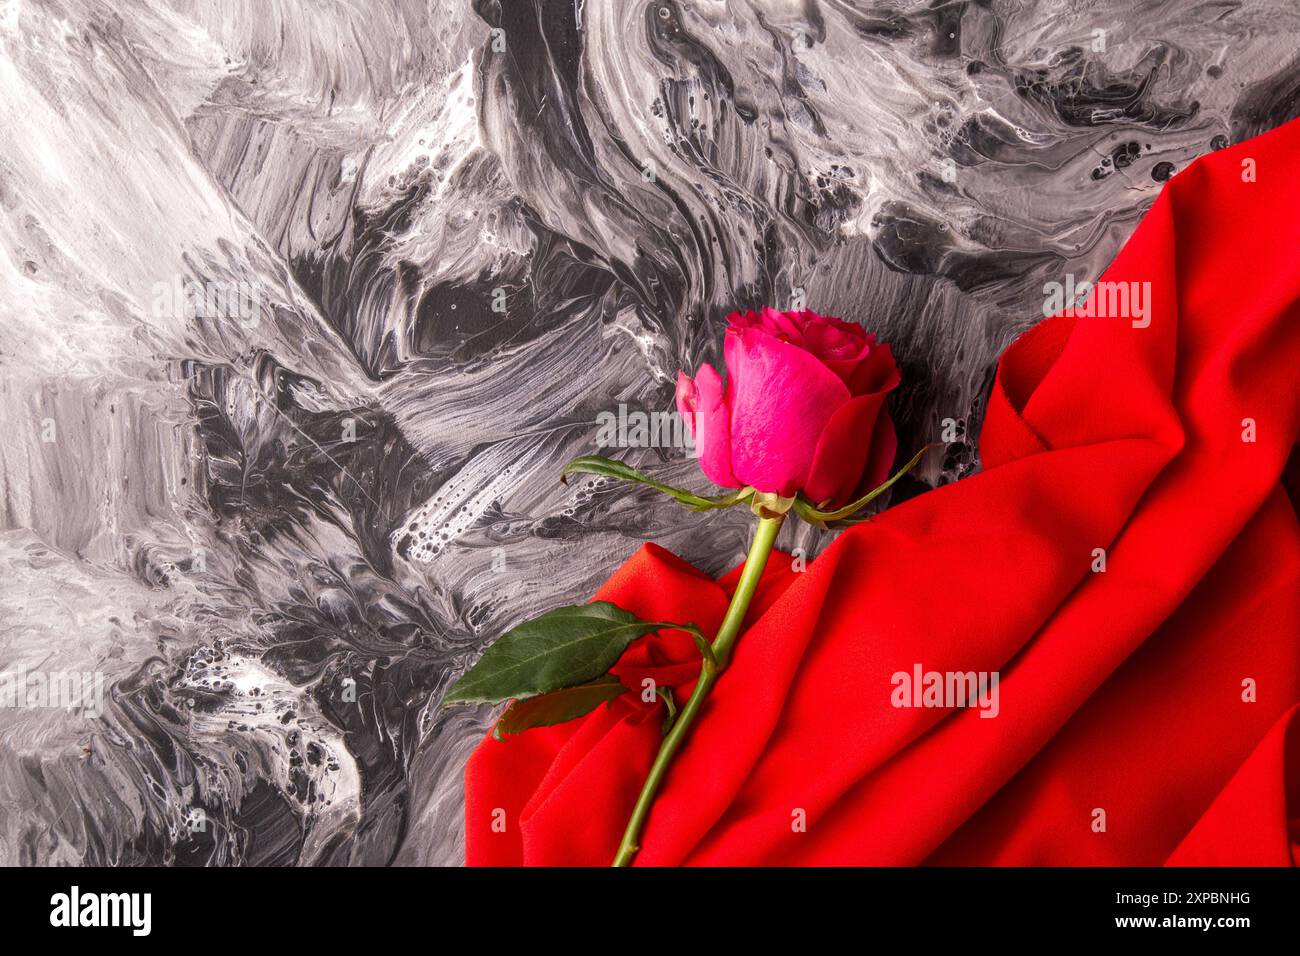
{"type": "Point", "coordinates": [1156, 695]}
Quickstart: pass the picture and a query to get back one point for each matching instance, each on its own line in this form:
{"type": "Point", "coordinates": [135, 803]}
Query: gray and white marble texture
{"type": "Point", "coordinates": [279, 525]}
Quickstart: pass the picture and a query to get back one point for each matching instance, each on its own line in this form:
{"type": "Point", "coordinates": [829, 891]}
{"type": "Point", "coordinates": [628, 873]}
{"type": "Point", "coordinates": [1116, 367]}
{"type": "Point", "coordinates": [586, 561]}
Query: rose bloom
{"type": "Point", "coordinates": [802, 410]}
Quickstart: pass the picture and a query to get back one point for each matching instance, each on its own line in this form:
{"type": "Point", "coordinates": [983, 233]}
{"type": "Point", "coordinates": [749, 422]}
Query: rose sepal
{"type": "Point", "coordinates": [768, 504]}
{"type": "Point", "coordinates": [612, 468]}
{"type": "Point", "coordinates": [814, 516]}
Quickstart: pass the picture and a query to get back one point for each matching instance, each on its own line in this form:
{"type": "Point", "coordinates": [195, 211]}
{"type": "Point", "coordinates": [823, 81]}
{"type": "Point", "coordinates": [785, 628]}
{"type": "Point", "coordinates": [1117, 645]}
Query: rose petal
{"type": "Point", "coordinates": [857, 449]}
{"type": "Point", "coordinates": [834, 339]}
{"type": "Point", "coordinates": [877, 373]}
{"type": "Point", "coordinates": [787, 326]}
{"type": "Point", "coordinates": [880, 462]}
{"type": "Point", "coordinates": [702, 403]}
{"type": "Point", "coordinates": [843, 451]}
{"type": "Point", "coordinates": [781, 398]}
{"type": "Point", "coordinates": [843, 346]}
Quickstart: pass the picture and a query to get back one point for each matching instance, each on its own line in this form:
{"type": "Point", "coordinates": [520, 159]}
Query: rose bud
{"type": "Point", "coordinates": [802, 410]}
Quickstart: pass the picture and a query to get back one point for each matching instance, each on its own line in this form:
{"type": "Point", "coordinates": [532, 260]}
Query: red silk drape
{"type": "Point", "coordinates": [1120, 691]}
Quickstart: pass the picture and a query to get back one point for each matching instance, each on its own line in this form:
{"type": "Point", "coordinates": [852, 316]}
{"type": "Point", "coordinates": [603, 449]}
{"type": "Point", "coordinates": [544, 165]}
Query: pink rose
{"type": "Point", "coordinates": [803, 408]}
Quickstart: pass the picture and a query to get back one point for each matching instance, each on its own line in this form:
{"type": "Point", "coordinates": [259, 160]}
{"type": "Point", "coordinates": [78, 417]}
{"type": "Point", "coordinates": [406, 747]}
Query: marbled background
{"type": "Point", "coordinates": [279, 534]}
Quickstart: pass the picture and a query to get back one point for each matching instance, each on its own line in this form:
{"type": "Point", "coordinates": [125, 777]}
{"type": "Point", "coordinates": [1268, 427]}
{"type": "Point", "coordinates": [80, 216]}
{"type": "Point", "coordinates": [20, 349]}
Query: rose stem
{"type": "Point", "coordinates": [764, 538]}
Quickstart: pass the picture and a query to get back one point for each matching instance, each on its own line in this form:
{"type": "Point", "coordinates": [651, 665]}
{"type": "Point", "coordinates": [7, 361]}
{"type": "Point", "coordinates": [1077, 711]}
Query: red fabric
{"type": "Point", "coordinates": [1120, 691]}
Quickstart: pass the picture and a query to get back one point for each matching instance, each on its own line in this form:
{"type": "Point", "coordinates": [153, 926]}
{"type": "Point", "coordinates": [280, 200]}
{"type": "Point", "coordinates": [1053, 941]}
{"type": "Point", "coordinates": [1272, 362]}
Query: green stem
{"type": "Point", "coordinates": [764, 538]}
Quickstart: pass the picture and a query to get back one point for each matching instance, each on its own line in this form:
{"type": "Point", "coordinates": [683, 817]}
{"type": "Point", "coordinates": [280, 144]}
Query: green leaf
{"type": "Point", "coordinates": [609, 468]}
{"type": "Point", "coordinates": [670, 702]}
{"type": "Point", "coordinates": [556, 707]}
{"type": "Point", "coordinates": [562, 648]}
{"type": "Point", "coordinates": [706, 649]}
{"type": "Point", "coordinates": [820, 519]}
